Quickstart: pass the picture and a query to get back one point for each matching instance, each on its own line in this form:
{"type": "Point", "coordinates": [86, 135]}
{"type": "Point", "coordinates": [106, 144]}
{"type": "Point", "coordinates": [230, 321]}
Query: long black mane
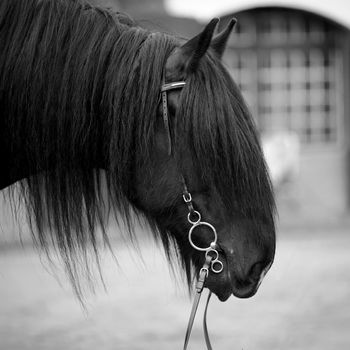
{"type": "Point", "coordinates": [77, 81]}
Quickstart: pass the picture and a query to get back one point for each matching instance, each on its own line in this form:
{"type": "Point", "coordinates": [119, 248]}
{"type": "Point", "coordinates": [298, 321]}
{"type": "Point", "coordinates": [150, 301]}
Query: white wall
{"type": "Point", "coordinates": [337, 10]}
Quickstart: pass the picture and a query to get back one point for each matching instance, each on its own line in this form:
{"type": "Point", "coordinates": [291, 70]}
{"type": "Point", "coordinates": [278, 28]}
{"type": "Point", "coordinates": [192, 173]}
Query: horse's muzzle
{"type": "Point", "coordinates": [232, 281]}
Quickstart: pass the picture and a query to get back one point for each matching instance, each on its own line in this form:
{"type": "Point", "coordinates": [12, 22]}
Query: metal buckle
{"type": "Point", "coordinates": [204, 269]}
{"type": "Point", "coordinates": [187, 197]}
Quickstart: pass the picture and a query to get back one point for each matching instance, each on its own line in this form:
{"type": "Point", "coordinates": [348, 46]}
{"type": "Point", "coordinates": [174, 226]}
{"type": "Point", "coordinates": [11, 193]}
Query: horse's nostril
{"type": "Point", "coordinates": [256, 270]}
{"type": "Point", "coordinates": [246, 285]}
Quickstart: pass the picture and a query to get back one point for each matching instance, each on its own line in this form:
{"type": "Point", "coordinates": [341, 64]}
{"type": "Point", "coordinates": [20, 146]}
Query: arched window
{"type": "Point", "coordinates": [289, 66]}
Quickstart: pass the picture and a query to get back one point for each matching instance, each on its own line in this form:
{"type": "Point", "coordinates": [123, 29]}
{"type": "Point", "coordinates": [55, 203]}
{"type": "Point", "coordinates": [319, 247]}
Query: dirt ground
{"type": "Point", "coordinates": [304, 302]}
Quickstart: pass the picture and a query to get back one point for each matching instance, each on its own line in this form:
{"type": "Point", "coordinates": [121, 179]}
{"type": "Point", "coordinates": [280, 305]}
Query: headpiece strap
{"type": "Point", "coordinates": [166, 87]}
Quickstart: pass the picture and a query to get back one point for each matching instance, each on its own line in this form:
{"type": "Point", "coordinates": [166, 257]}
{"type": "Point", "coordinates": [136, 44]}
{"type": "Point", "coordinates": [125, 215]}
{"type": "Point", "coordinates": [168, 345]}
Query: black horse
{"type": "Point", "coordinates": [82, 129]}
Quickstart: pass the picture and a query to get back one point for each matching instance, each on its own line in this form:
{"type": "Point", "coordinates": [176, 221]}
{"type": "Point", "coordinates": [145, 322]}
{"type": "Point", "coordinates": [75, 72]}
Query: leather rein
{"type": "Point", "coordinates": [212, 262]}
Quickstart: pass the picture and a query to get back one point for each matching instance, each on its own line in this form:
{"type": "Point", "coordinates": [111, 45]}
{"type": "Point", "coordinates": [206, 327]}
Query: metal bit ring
{"type": "Point", "coordinates": [194, 222]}
{"type": "Point", "coordinates": [219, 268]}
{"type": "Point", "coordinates": [216, 254]}
{"type": "Point", "coordinates": [202, 223]}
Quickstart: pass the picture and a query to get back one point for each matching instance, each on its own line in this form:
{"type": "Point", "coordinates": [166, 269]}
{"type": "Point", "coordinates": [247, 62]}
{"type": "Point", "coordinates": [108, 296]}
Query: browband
{"type": "Point", "coordinates": [174, 85]}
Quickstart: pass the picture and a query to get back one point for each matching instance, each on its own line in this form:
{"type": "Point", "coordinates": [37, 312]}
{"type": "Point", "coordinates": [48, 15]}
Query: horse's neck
{"type": "Point", "coordinates": [7, 160]}
{"type": "Point", "coordinates": [17, 164]}
{"type": "Point", "coordinates": [20, 158]}
{"type": "Point", "coordinates": [14, 165]}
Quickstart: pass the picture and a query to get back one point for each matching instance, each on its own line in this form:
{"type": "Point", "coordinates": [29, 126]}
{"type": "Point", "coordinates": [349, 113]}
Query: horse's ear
{"type": "Point", "coordinates": [218, 44]}
{"type": "Point", "coordinates": [194, 49]}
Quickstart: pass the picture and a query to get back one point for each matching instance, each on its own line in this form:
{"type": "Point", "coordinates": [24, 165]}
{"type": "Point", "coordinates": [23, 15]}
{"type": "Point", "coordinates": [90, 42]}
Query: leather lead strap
{"type": "Point", "coordinates": [191, 319]}
{"type": "Point", "coordinates": [205, 327]}
{"type": "Point", "coordinates": [199, 288]}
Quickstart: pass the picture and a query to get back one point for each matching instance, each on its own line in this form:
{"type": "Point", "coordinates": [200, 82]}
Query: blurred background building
{"type": "Point", "coordinates": [291, 60]}
{"type": "Point", "coordinates": [293, 68]}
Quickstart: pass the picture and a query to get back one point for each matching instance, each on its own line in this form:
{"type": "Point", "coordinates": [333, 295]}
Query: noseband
{"type": "Point", "coordinates": [194, 218]}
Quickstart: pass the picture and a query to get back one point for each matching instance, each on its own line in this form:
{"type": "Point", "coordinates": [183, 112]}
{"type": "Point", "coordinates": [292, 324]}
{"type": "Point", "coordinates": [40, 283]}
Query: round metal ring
{"type": "Point", "coordinates": [216, 254]}
{"type": "Point", "coordinates": [194, 222]}
{"type": "Point", "coordinates": [219, 268]}
{"type": "Point", "coordinates": [203, 224]}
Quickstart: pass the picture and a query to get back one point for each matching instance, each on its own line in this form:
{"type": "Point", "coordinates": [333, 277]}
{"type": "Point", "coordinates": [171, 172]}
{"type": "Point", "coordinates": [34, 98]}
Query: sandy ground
{"type": "Point", "coordinates": [304, 302]}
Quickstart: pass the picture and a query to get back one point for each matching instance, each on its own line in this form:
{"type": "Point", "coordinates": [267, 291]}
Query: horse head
{"type": "Point", "coordinates": [209, 139]}
{"type": "Point", "coordinates": [96, 104]}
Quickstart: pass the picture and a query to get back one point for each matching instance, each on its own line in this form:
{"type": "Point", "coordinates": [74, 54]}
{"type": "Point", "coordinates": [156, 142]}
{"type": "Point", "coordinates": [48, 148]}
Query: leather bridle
{"type": "Point", "coordinates": [212, 262]}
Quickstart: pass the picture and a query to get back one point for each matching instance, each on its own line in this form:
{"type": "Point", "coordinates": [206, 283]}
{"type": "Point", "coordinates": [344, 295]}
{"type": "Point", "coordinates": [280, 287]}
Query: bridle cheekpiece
{"type": "Point", "coordinates": [212, 262]}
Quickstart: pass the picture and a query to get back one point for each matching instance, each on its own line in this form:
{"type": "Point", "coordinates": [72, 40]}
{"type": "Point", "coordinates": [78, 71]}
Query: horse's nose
{"type": "Point", "coordinates": [246, 285]}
